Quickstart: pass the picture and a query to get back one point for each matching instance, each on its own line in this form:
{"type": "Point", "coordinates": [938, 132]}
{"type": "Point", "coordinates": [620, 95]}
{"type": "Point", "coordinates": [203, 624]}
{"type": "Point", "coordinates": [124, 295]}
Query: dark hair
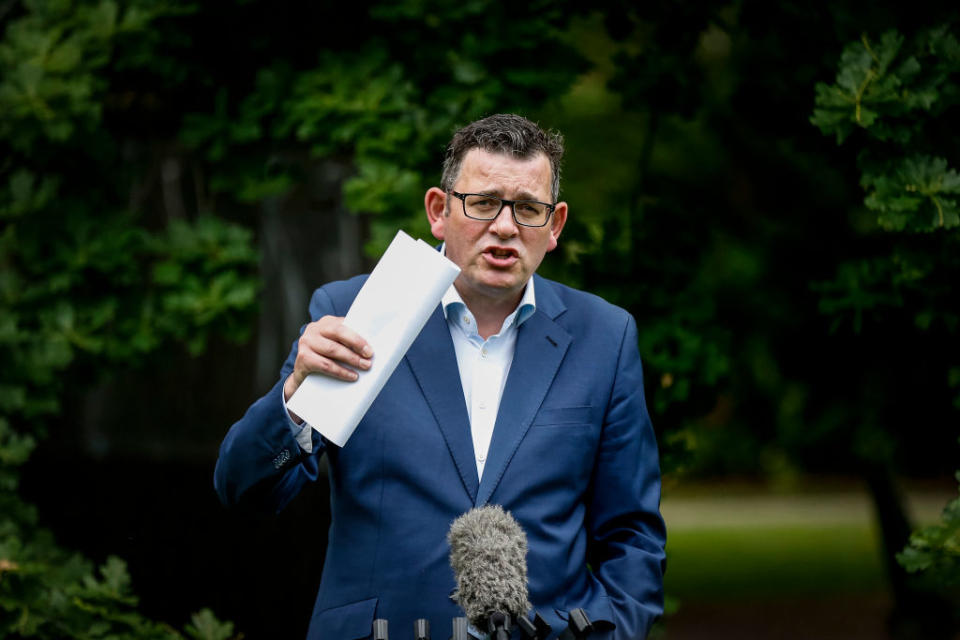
{"type": "Point", "coordinates": [503, 133]}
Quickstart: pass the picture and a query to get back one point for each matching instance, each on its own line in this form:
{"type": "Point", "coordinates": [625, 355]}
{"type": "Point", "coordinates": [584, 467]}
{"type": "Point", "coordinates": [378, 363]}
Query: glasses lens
{"type": "Point", "coordinates": [481, 207]}
{"type": "Point", "coordinates": [530, 213]}
{"type": "Point", "coordinates": [527, 212]}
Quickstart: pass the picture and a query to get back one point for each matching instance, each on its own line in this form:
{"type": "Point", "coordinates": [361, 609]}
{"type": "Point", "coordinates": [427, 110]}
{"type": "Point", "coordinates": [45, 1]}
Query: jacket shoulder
{"type": "Point", "coordinates": [335, 297]}
{"type": "Point", "coordinates": [579, 306]}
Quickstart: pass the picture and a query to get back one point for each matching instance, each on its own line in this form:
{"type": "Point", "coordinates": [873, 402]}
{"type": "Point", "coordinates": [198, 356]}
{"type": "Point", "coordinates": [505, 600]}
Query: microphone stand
{"type": "Point", "coordinates": [498, 624]}
{"type": "Point", "coordinates": [380, 629]}
{"type": "Point", "coordinates": [421, 629]}
{"type": "Point", "coordinates": [579, 626]}
{"type": "Point", "coordinates": [539, 629]}
{"type": "Point", "coordinates": [460, 629]}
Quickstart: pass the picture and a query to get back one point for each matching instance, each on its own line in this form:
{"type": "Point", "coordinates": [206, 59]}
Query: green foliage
{"type": "Point", "coordinates": [658, 68]}
{"type": "Point", "coordinates": [205, 626]}
{"type": "Point", "coordinates": [89, 285]}
{"type": "Point", "coordinates": [860, 287]}
{"type": "Point", "coordinates": [52, 57]}
{"type": "Point", "coordinates": [881, 86]}
{"type": "Point", "coordinates": [46, 592]}
{"type": "Point", "coordinates": [384, 102]}
{"type": "Point", "coordinates": [914, 193]}
{"type": "Point", "coordinates": [912, 282]}
{"type": "Point", "coordinates": [707, 209]}
{"type": "Point", "coordinates": [899, 92]}
{"type": "Point", "coordinates": [895, 94]}
{"type": "Point", "coordinates": [935, 550]}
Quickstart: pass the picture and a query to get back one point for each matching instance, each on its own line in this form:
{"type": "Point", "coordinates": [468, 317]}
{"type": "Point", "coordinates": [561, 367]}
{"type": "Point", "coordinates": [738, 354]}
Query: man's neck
{"type": "Point", "coordinates": [489, 311]}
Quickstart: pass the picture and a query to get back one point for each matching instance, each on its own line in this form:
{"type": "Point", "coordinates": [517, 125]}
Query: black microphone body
{"type": "Point", "coordinates": [579, 626]}
{"type": "Point", "coordinates": [536, 629]}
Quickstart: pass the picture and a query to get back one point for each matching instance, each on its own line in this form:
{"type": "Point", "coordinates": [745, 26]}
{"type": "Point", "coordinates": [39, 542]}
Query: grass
{"type": "Point", "coordinates": [768, 561]}
{"type": "Point", "coordinates": [748, 561]}
{"type": "Point", "coordinates": [727, 541]}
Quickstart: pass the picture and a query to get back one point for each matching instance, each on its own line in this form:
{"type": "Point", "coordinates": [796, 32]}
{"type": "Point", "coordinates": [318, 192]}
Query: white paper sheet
{"type": "Point", "coordinates": [393, 305]}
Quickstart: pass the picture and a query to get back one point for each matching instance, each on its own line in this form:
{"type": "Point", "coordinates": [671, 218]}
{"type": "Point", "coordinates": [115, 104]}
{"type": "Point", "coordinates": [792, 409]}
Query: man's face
{"type": "Point", "coordinates": [496, 257]}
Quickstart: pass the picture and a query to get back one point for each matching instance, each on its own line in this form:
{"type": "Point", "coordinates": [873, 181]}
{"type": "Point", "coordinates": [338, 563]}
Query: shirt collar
{"type": "Point", "coordinates": [526, 308]}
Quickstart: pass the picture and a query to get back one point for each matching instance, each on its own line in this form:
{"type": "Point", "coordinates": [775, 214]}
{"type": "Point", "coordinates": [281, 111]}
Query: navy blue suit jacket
{"type": "Point", "coordinates": [573, 458]}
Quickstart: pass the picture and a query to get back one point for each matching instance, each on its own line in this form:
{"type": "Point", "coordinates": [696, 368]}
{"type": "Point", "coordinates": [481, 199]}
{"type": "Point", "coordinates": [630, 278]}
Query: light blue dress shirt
{"type": "Point", "coordinates": [484, 364]}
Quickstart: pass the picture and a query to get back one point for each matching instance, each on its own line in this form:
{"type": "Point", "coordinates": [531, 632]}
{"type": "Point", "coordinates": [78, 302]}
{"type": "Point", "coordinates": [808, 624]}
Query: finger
{"type": "Point", "coordinates": [334, 350]}
{"type": "Point", "coordinates": [332, 327]}
{"type": "Point", "coordinates": [312, 362]}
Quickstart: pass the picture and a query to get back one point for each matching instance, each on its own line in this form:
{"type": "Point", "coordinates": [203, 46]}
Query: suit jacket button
{"type": "Point", "coordinates": [281, 459]}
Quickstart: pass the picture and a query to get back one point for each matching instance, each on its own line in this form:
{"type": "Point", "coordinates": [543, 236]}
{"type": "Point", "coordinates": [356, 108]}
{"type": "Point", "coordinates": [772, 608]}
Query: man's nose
{"type": "Point", "coordinates": [504, 225]}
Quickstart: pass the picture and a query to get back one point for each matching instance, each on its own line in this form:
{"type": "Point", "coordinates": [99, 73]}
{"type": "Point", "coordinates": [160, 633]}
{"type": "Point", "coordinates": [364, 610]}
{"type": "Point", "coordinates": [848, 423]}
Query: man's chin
{"type": "Point", "coordinates": [503, 289]}
{"type": "Point", "coordinates": [494, 287]}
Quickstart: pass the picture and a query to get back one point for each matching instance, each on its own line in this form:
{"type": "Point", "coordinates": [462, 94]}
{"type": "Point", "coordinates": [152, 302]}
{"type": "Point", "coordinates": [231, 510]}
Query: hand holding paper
{"type": "Point", "coordinates": [390, 311]}
{"type": "Point", "coordinates": [330, 347]}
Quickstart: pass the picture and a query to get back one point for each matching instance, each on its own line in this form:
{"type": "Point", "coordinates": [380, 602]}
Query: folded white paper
{"type": "Point", "coordinates": [393, 305]}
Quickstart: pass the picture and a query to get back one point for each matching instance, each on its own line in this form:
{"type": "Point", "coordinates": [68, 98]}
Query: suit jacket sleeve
{"type": "Point", "coordinates": [260, 463]}
{"type": "Point", "coordinates": [625, 529]}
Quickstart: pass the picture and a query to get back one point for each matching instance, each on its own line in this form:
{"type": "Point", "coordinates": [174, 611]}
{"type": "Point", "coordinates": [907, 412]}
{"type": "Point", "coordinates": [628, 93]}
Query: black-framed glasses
{"type": "Point", "coordinates": [526, 213]}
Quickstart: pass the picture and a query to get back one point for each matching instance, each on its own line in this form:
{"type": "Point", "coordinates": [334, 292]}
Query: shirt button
{"type": "Point", "coordinates": [481, 458]}
{"type": "Point", "coordinates": [482, 405]}
{"type": "Point", "coordinates": [483, 352]}
{"type": "Point", "coordinates": [466, 319]}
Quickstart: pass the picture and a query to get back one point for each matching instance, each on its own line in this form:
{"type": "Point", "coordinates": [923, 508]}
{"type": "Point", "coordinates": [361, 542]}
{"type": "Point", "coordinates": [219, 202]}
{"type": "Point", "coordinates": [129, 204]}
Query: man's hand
{"type": "Point", "coordinates": [329, 347]}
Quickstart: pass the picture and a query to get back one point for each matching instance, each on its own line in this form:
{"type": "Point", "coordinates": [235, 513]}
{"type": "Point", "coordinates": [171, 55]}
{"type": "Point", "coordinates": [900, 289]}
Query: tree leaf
{"type": "Point", "coordinates": [204, 625]}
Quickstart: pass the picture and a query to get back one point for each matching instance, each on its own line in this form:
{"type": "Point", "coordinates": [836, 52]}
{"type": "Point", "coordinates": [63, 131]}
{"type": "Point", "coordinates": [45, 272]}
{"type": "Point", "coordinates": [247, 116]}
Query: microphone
{"type": "Point", "coordinates": [579, 627]}
{"type": "Point", "coordinates": [538, 629]}
{"type": "Point", "coordinates": [488, 554]}
{"type": "Point", "coordinates": [460, 629]}
{"type": "Point", "coordinates": [421, 629]}
{"type": "Point", "coordinates": [380, 629]}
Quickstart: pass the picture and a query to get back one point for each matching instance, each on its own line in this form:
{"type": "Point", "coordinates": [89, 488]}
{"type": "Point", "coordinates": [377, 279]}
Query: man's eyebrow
{"type": "Point", "coordinates": [523, 195]}
{"type": "Point", "coordinates": [490, 192]}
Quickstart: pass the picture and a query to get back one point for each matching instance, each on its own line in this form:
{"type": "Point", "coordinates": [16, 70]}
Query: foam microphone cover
{"type": "Point", "coordinates": [488, 553]}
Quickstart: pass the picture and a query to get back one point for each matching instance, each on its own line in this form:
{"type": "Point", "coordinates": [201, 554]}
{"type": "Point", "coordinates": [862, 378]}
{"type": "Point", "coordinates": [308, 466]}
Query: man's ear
{"type": "Point", "coordinates": [435, 202]}
{"type": "Point", "coordinates": [557, 220]}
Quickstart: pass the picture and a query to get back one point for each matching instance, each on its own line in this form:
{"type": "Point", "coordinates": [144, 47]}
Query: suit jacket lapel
{"type": "Point", "coordinates": [541, 346]}
{"type": "Point", "coordinates": [434, 364]}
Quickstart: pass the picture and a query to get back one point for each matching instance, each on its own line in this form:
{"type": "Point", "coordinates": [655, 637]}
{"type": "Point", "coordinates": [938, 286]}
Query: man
{"type": "Point", "coordinates": [519, 391]}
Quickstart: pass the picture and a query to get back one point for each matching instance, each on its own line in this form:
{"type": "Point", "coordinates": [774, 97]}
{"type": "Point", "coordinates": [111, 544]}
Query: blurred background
{"type": "Point", "coordinates": [771, 189]}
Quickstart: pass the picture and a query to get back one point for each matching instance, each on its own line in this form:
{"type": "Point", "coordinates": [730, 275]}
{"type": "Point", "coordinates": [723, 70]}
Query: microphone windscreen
{"type": "Point", "coordinates": [488, 553]}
